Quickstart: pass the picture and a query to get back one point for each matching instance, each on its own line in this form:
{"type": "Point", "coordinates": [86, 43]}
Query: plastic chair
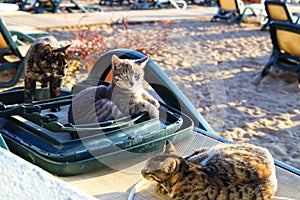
{"type": "Point", "coordinates": [286, 52]}
{"type": "Point", "coordinates": [232, 10]}
{"type": "Point", "coordinates": [54, 6]}
{"type": "Point", "coordinates": [278, 11]}
{"type": "Point", "coordinates": [145, 4]}
{"type": "Point", "coordinates": [10, 55]}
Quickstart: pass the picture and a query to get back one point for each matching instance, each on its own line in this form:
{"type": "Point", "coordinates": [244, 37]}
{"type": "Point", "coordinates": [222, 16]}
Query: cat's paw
{"type": "Point", "coordinates": [160, 189]}
{"type": "Point", "coordinates": [153, 112]}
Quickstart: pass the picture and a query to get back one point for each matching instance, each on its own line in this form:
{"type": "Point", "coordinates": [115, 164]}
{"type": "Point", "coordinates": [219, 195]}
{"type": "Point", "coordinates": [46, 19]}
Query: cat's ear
{"type": "Point", "coordinates": [64, 48]}
{"type": "Point", "coordinates": [115, 62]}
{"type": "Point", "coordinates": [169, 165]}
{"type": "Point", "coordinates": [142, 62]}
{"type": "Point", "coordinates": [47, 50]}
{"type": "Point", "coordinates": [169, 148]}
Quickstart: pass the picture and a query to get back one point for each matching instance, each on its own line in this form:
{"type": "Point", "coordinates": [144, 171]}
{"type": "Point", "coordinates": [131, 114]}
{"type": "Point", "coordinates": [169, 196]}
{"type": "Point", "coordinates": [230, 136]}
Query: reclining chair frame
{"type": "Point", "coordinates": [282, 55]}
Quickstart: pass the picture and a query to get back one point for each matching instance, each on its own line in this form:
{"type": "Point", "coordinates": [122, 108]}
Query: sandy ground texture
{"type": "Point", "coordinates": [218, 68]}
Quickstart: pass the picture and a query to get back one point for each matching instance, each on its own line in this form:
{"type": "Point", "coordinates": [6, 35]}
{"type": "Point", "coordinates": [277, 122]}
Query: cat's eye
{"type": "Point", "coordinates": [55, 66]}
{"type": "Point", "coordinates": [137, 76]}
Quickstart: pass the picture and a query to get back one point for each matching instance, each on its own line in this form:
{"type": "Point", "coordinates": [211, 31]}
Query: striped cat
{"type": "Point", "coordinates": [124, 96]}
{"type": "Point", "coordinates": [45, 62]}
{"type": "Point", "coordinates": [227, 171]}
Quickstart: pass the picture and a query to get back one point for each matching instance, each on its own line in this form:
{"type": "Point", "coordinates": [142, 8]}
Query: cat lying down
{"type": "Point", "coordinates": [225, 171]}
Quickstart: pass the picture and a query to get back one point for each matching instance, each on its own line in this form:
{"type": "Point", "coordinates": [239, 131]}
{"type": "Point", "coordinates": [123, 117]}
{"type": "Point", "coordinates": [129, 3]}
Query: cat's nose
{"type": "Point", "coordinates": [62, 72]}
{"type": "Point", "coordinates": [145, 172]}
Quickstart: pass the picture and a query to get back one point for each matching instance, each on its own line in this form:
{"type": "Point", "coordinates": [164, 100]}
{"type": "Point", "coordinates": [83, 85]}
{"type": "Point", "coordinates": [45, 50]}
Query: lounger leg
{"type": "Point", "coordinates": [213, 19]}
{"type": "Point", "coordinates": [240, 20]}
{"type": "Point", "coordinates": [230, 21]}
{"type": "Point", "coordinates": [265, 71]}
{"type": "Point", "coordinates": [218, 15]}
{"type": "Point", "coordinates": [265, 25]}
{"type": "Point", "coordinates": [233, 18]}
{"type": "Point", "coordinates": [241, 17]}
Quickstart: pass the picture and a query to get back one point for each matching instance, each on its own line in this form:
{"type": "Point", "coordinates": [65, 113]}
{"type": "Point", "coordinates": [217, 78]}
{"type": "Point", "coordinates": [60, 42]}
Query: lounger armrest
{"type": "Point", "coordinates": [22, 36]}
{"type": "Point", "coordinates": [296, 15]}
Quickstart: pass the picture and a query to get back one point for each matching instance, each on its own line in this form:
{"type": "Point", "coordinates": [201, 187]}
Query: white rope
{"type": "Point", "coordinates": [135, 187]}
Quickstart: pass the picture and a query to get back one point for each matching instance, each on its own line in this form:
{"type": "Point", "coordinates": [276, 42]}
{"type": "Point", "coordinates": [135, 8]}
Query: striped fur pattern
{"type": "Point", "coordinates": [227, 171]}
{"type": "Point", "coordinates": [124, 96]}
{"type": "Point", "coordinates": [45, 62]}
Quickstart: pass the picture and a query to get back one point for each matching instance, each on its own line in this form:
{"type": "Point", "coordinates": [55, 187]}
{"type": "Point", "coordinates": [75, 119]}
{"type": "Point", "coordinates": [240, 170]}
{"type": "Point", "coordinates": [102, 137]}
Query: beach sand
{"type": "Point", "coordinates": [218, 66]}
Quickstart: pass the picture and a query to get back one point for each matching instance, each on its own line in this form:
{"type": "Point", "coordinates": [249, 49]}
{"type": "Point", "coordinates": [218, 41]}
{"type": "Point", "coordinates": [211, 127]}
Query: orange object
{"type": "Point", "coordinates": [108, 78]}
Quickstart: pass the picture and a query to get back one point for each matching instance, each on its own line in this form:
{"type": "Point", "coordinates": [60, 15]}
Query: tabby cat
{"type": "Point", "coordinates": [227, 171]}
{"type": "Point", "coordinates": [124, 96]}
{"type": "Point", "coordinates": [45, 62]}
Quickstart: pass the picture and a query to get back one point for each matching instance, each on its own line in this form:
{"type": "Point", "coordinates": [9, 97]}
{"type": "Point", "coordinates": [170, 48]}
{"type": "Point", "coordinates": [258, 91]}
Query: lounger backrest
{"type": "Point", "coordinates": [3, 43]}
{"type": "Point", "coordinates": [228, 4]}
{"type": "Point", "coordinates": [6, 40]}
{"type": "Point", "coordinates": [278, 11]}
{"type": "Point", "coordinates": [286, 37]}
{"type": "Point", "coordinates": [289, 42]}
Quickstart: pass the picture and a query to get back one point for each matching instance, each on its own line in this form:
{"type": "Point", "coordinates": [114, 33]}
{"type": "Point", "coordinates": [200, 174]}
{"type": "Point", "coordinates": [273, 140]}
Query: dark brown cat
{"type": "Point", "coordinates": [227, 171]}
{"type": "Point", "coordinates": [124, 96]}
{"type": "Point", "coordinates": [45, 62]}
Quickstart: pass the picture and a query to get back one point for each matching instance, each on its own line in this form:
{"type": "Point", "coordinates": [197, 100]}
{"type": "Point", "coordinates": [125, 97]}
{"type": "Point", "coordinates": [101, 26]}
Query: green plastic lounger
{"type": "Point", "coordinates": [13, 48]}
{"type": "Point", "coordinates": [9, 49]}
{"type": "Point", "coordinates": [54, 6]}
{"type": "Point", "coordinates": [178, 4]}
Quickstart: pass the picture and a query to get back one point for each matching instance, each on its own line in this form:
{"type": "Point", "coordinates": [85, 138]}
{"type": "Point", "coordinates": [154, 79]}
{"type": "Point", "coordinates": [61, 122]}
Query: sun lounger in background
{"type": "Point", "coordinates": [278, 11]}
{"type": "Point", "coordinates": [286, 47]}
{"type": "Point", "coordinates": [117, 2]}
{"type": "Point", "coordinates": [232, 10]}
{"type": "Point", "coordinates": [145, 4]}
{"type": "Point", "coordinates": [40, 6]}
{"type": "Point", "coordinates": [206, 2]}
{"type": "Point", "coordinates": [13, 48]}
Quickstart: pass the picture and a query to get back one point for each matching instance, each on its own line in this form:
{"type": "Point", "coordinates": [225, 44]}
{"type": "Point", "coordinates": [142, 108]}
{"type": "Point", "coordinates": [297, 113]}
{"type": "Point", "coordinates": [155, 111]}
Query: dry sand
{"type": "Point", "coordinates": [218, 68]}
